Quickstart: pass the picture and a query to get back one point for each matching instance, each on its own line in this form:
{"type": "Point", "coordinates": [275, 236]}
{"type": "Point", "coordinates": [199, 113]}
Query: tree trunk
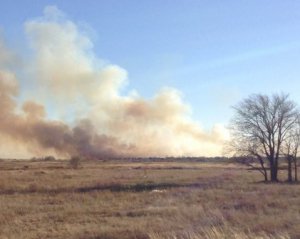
{"type": "Point", "coordinates": [265, 172]}
{"type": "Point", "coordinates": [273, 175]}
{"type": "Point", "coordinates": [290, 179]}
{"type": "Point", "coordinates": [262, 164]}
{"type": "Point", "coordinates": [276, 170]}
{"type": "Point", "coordinates": [273, 170]}
{"type": "Point", "coordinates": [295, 170]}
{"type": "Point", "coordinates": [266, 175]}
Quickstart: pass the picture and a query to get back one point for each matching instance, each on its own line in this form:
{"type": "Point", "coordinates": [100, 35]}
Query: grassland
{"type": "Point", "coordinates": [121, 199]}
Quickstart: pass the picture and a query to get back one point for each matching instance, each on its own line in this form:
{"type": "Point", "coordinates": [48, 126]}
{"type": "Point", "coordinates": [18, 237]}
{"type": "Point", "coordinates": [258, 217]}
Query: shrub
{"type": "Point", "coordinates": [75, 161]}
{"type": "Point", "coordinates": [49, 158]}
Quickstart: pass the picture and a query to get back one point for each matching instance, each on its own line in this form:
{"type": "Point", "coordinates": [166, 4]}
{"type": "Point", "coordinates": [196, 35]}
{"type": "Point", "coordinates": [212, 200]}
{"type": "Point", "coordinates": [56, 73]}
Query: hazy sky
{"type": "Point", "coordinates": [214, 52]}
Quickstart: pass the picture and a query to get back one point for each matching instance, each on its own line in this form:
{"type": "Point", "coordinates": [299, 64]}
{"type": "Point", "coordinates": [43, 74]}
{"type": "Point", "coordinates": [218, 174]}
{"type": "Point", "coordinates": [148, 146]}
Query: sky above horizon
{"type": "Point", "coordinates": [214, 53]}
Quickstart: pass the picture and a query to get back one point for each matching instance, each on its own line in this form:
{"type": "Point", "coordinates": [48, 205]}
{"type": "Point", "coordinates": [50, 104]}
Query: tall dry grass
{"type": "Point", "coordinates": [143, 200]}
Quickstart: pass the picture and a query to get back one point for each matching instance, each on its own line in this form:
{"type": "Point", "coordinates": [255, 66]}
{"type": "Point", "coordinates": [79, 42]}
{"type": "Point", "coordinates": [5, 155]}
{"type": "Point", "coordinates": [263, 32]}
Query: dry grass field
{"type": "Point", "coordinates": [111, 200]}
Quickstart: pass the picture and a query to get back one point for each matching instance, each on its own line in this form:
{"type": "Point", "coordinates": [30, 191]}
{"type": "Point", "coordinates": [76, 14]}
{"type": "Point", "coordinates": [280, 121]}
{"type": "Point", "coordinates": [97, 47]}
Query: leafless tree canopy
{"type": "Point", "coordinates": [263, 127]}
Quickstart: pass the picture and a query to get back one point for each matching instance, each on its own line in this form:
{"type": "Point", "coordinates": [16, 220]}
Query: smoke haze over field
{"type": "Point", "coordinates": [92, 118]}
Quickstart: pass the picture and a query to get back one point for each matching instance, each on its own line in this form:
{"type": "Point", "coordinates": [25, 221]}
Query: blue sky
{"type": "Point", "coordinates": [214, 52]}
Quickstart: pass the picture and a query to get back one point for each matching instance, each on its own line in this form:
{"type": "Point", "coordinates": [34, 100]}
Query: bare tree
{"type": "Point", "coordinates": [261, 125]}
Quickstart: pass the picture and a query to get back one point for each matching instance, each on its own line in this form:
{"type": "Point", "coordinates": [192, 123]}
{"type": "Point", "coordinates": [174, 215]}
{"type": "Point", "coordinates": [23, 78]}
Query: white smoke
{"type": "Point", "coordinates": [68, 76]}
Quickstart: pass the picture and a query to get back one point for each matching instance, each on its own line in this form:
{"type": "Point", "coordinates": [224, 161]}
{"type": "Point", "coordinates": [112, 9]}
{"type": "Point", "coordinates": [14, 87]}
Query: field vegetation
{"type": "Point", "coordinates": [127, 199]}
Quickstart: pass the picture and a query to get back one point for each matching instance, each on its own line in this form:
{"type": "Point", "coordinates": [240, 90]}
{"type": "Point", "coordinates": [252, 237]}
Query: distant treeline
{"type": "Point", "coordinates": [177, 159]}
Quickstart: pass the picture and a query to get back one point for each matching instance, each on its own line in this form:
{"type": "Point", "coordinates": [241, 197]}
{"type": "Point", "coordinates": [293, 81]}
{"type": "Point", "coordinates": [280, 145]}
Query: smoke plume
{"type": "Point", "coordinates": [74, 104]}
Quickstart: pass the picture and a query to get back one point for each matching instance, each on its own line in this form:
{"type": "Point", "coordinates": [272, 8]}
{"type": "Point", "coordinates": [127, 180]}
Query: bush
{"type": "Point", "coordinates": [75, 161]}
{"type": "Point", "coordinates": [49, 158]}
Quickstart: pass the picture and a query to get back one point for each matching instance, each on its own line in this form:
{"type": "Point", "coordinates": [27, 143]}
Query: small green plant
{"type": "Point", "coordinates": [75, 162]}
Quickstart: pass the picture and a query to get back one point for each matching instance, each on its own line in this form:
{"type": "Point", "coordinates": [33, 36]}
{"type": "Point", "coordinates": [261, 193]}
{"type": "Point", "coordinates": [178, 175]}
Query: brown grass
{"type": "Point", "coordinates": [143, 200]}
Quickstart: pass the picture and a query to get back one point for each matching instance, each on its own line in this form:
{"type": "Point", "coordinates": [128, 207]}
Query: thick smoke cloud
{"type": "Point", "coordinates": [92, 117]}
